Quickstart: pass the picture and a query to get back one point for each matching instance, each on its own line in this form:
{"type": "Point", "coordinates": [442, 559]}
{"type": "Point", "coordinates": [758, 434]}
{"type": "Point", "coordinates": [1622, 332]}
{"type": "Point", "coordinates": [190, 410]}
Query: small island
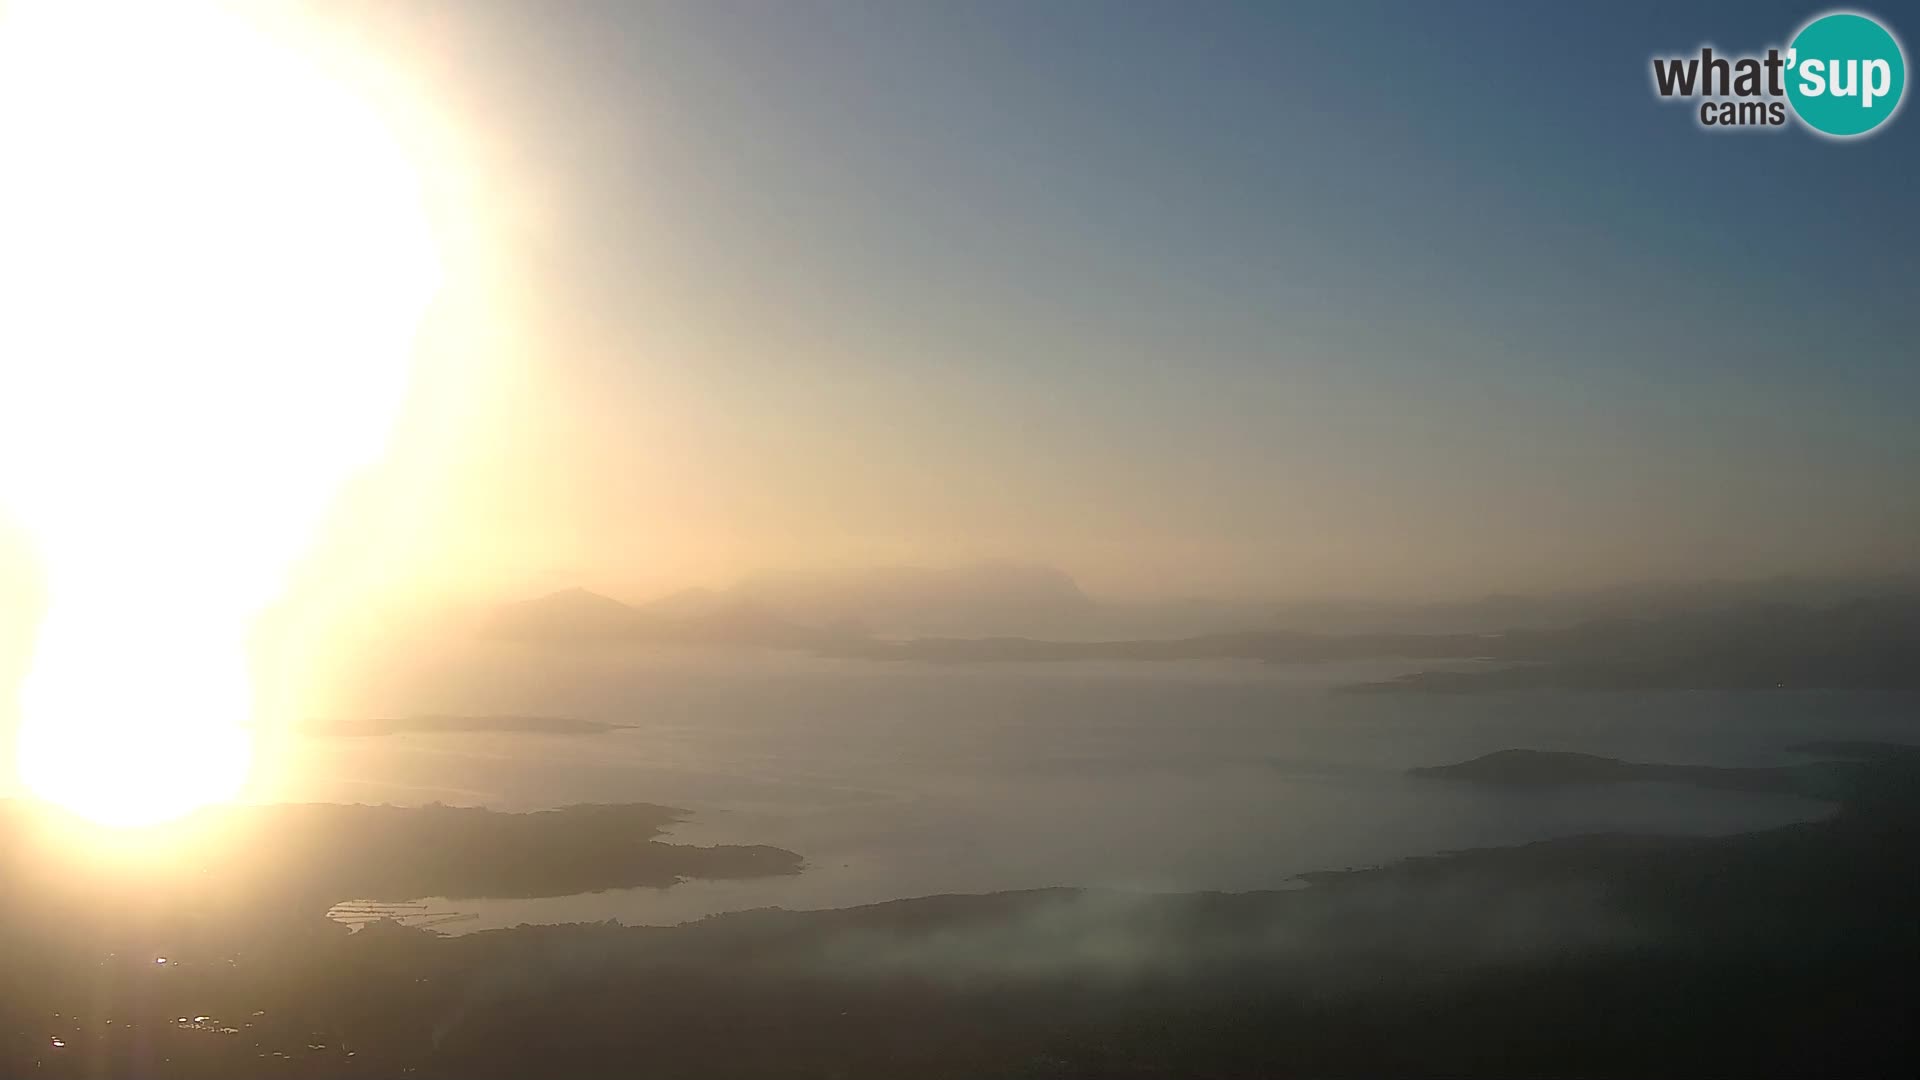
{"type": "Point", "coordinates": [1549, 768]}
{"type": "Point", "coordinates": [294, 861]}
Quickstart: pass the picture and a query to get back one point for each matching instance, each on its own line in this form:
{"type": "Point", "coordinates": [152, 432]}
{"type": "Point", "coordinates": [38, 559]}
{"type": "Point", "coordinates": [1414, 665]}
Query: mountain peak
{"type": "Point", "coordinates": [976, 599]}
{"type": "Point", "coordinates": [568, 613]}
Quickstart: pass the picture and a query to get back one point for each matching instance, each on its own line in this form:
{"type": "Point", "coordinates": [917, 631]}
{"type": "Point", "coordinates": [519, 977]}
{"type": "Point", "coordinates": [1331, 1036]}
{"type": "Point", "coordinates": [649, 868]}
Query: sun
{"type": "Point", "coordinates": [130, 725]}
{"type": "Point", "coordinates": [214, 255]}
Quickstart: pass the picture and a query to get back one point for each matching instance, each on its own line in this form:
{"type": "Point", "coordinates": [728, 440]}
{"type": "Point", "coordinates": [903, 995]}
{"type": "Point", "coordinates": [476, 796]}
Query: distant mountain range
{"type": "Point", "coordinates": [1637, 600]}
{"type": "Point", "coordinates": [981, 600]}
{"type": "Point", "coordinates": [999, 599]}
{"type": "Point", "coordinates": [978, 600]}
{"type": "Point", "coordinates": [579, 617]}
{"type": "Point", "coordinates": [1017, 600]}
{"type": "Point", "coordinates": [1705, 636]}
{"type": "Point", "coordinates": [1856, 645]}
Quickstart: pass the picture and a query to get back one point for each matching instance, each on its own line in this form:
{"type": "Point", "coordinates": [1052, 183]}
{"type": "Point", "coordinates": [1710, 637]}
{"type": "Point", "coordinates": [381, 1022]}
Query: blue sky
{"type": "Point", "coordinates": [1303, 299]}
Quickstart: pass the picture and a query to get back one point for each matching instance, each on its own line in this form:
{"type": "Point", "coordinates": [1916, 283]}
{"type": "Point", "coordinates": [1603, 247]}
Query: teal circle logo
{"type": "Point", "coordinates": [1845, 74]}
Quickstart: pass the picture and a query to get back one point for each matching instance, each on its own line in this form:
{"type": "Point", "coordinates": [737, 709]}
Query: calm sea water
{"type": "Point", "coordinates": [910, 780]}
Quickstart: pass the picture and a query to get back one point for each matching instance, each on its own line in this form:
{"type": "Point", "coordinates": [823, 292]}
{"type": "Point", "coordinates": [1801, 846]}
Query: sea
{"type": "Point", "coordinates": [898, 779]}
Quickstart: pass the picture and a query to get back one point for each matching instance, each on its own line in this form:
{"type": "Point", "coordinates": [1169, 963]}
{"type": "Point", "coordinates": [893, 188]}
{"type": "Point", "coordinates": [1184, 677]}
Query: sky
{"type": "Point", "coordinates": [1279, 300]}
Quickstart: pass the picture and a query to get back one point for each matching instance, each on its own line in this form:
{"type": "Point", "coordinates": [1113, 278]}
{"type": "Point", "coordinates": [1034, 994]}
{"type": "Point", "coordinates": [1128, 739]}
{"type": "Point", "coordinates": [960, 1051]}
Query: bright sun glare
{"type": "Point", "coordinates": [213, 259]}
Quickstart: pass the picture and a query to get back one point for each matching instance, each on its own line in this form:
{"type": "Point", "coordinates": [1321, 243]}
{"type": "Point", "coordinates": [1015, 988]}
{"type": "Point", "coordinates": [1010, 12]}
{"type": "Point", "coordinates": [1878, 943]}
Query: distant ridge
{"type": "Point", "coordinates": [1749, 645]}
{"type": "Point", "coordinates": [978, 600]}
{"type": "Point", "coordinates": [570, 614]}
{"type": "Point", "coordinates": [577, 616]}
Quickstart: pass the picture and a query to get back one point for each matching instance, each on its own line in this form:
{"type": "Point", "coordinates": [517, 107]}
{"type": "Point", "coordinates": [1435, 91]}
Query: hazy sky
{"type": "Point", "coordinates": [1321, 299]}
